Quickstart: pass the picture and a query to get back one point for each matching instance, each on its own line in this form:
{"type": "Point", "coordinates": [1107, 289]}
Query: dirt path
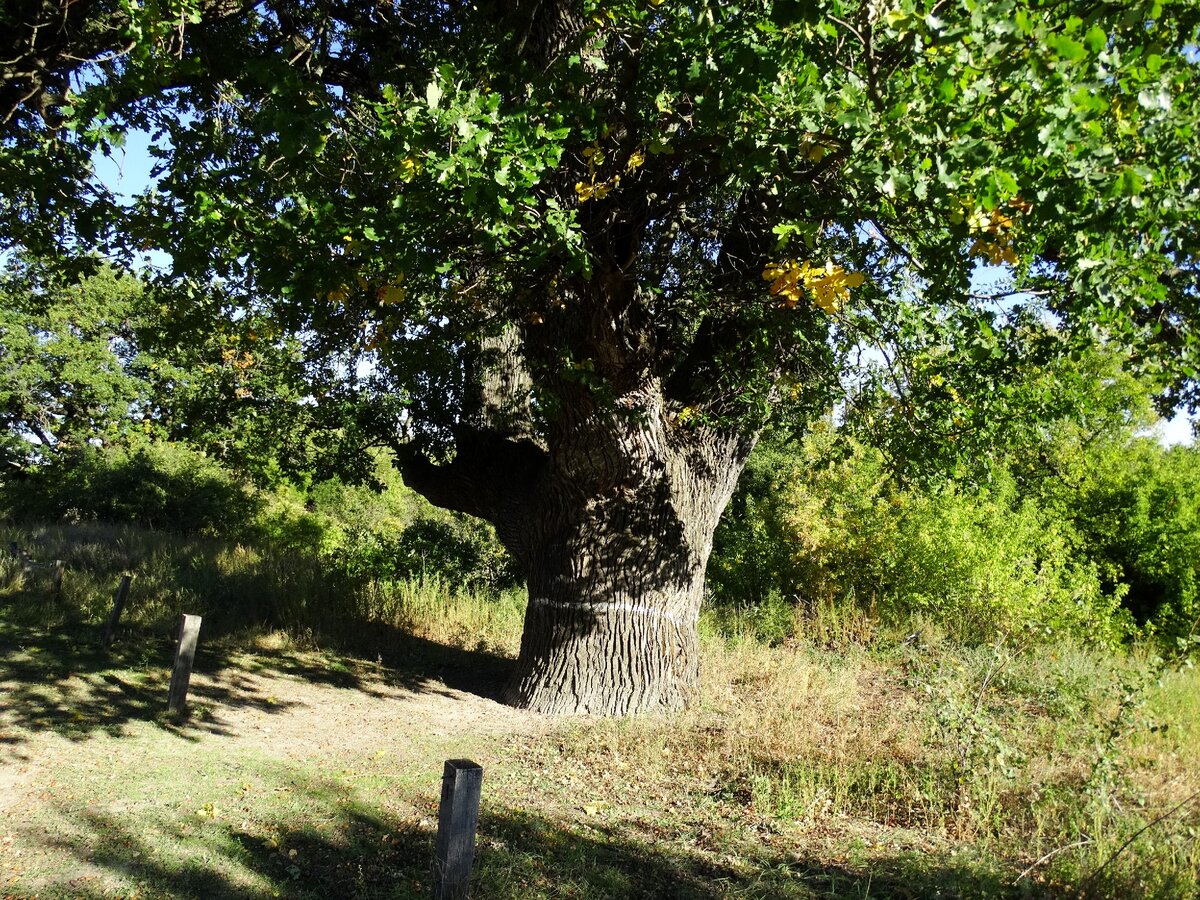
{"type": "Point", "coordinates": [292, 716]}
{"type": "Point", "coordinates": [279, 713]}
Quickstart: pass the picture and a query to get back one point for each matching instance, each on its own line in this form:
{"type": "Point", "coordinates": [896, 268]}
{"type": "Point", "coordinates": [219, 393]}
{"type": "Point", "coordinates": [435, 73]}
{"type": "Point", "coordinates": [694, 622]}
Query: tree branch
{"type": "Point", "coordinates": [490, 476]}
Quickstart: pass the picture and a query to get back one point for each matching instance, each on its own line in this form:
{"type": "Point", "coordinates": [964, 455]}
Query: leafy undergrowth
{"type": "Point", "coordinates": [848, 767]}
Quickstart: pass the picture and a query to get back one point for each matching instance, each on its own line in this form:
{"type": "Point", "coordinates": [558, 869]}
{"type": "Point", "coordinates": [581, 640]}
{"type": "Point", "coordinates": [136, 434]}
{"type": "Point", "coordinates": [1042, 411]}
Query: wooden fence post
{"type": "Point", "coordinates": [56, 581]}
{"type": "Point", "coordinates": [114, 619]}
{"type": "Point", "coordinates": [458, 818]}
{"type": "Point", "coordinates": [185, 653]}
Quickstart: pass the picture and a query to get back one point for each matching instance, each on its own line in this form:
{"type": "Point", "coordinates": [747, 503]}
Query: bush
{"type": "Point", "coordinates": [825, 529]}
{"type": "Point", "coordinates": [164, 486]}
{"type": "Point", "coordinates": [458, 550]}
{"type": "Point", "coordinates": [1135, 508]}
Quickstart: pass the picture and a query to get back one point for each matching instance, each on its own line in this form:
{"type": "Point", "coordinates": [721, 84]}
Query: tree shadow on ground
{"type": "Point", "coordinates": [359, 852]}
{"type": "Point", "coordinates": [55, 672]}
{"type": "Point", "coordinates": [65, 679]}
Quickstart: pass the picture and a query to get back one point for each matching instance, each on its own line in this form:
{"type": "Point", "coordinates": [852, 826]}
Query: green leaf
{"type": "Point", "coordinates": [1066, 48]}
{"type": "Point", "coordinates": [433, 94]}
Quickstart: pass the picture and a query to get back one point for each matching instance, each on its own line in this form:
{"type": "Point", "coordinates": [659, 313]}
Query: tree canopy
{"type": "Point", "coordinates": [407, 179]}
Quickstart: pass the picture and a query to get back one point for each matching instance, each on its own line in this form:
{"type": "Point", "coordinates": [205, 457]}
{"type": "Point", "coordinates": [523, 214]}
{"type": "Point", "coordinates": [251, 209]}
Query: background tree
{"type": "Point", "coordinates": [579, 253]}
{"type": "Point", "coordinates": [69, 374]}
{"type": "Point", "coordinates": [108, 361]}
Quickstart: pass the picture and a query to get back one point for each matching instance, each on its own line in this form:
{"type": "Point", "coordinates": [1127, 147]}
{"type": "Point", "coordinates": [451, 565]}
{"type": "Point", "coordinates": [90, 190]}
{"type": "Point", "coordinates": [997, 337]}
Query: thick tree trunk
{"type": "Point", "coordinates": [613, 521]}
{"type": "Point", "coordinates": [611, 624]}
{"type": "Point", "coordinates": [616, 542]}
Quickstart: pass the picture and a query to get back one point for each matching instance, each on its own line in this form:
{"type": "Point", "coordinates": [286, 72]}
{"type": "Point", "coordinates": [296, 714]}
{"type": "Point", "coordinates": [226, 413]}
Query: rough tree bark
{"type": "Point", "coordinates": [620, 538]}
{"type": "Point", "coordinates": [613, 522]}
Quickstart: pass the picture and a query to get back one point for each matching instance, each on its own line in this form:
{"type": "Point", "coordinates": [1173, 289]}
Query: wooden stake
{"type": "Point", "coordinates": [185, 653]}
{"type": "Point", "coordinates": [56, 581]}
{"type": "Point", "coordinates": [114, 619]}
{"type": "Point", "coordinates": [458, 818]}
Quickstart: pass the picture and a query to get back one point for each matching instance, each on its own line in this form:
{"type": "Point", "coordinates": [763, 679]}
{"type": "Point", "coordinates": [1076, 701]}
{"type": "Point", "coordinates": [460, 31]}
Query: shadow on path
{"type": "Point", "coordinates": [64, 679]}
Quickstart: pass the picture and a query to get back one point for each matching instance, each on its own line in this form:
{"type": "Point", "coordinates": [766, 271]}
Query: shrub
{"type": "Point", "coordinates": [1135, 508]}
{"type": "Point", "coordinates": [826, 529]}
{"type": "Point", "coordinates": [458, 549]}
{"type": "Point", "coordinates": [164, 486]}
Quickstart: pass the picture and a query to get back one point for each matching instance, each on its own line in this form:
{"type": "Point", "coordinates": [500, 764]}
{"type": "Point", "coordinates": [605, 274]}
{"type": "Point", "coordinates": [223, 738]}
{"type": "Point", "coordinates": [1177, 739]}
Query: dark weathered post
{"type": "Point", "coordinates": [56, 581]}
{"type": "Point", "coordinates": [114, 618]}
{"type": "Point", "coordinates": [185, 653]}
{"type": "Point", "coordinates": [458, 817]}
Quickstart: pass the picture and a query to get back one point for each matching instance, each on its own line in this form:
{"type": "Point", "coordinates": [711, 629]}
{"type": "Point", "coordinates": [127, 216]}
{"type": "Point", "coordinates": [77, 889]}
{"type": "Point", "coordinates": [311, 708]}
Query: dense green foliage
{"type": "Point", "coordinates": [1135, 509]}
{"type": "Point", "coordinates": [112, 361]}
{"type": "Point", "coordinates": [822, 532]}
{"type": "Point", "coordinates": [163, 486]}
{"type": "Point", "coordinates": [72, 371]}
{"type": "Point", "coordinates": [359, 531]}
{"type": "Point", "coordinates": [1102, 551]}
{"type": "Point", "coordinates": [394, 188]}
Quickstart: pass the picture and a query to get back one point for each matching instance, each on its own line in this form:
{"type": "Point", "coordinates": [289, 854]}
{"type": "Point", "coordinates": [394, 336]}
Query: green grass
{"type": "Point", "coordinates": [860, 762]}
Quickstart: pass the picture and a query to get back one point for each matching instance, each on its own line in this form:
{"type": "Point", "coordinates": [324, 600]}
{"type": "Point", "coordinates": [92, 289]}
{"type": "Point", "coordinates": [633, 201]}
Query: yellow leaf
{"type": "Point", "coordinates": [636, 159]}
{"type": "Point", "coordinates": [772, 271]}
{"type": "Point", "coordinates": [391, 294]}
{"type": "Point", "coordinates": [407, 168]}
{"type": "Point", "coordinates": [995, 252]}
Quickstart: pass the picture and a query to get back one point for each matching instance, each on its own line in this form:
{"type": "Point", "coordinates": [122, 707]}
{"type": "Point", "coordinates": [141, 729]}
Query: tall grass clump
{"type": "Point", "coordinates": [438, 610]}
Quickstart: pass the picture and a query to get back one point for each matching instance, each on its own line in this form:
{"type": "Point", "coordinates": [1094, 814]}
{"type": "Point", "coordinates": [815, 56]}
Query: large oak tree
{"type": "Point", "coordinates": [571, 256]}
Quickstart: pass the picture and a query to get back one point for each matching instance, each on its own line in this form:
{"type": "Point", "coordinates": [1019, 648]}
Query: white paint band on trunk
{"type": "Point", "coordinates": [638, 609]}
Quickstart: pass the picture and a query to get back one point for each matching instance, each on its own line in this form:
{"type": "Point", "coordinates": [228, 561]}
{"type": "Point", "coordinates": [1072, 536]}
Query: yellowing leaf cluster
{"type": "Point", "coordinates": [598, 190]}
{"type": "Point", "coordinates": [238, 360]}
{"type": "Point", "coordinates": [387, 293]}
{"type": "Point", "coordinates": [407, 168]}
{"type": "Point", "coordinates": [829, 285]}
{"type": "Point", "coordinates": [594, 190]}
{"type": "Point", "coordinates": [995, 241]}
{"type": "Point", "coordinates": [594, 156]}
